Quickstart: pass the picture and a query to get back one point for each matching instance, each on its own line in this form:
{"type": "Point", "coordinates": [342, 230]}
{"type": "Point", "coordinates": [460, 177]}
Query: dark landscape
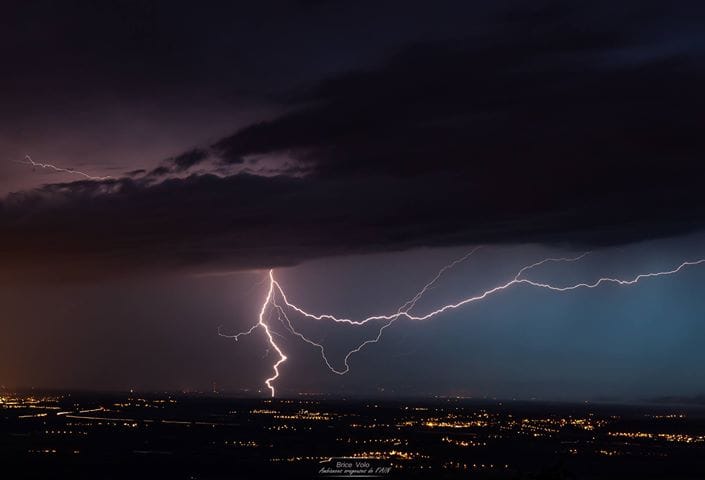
{"type": "Point", "coordinates": [210, 437]}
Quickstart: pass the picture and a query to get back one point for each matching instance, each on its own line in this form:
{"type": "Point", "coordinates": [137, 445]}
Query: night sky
{"type": "Point", "coordinates": [356, 148]}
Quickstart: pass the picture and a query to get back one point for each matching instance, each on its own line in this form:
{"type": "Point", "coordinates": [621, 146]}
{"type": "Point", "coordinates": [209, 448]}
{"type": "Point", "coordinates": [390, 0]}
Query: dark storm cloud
{"type": "Point", "coordinates": [174, 165]}
{"type": "Point", "coordinates": [553, 124]}
{"type": "Point", "coordinates": [245, 221]}
{"type": "Point", "coordinates": [547, 99]}
{"type": "Point", "coordinates": [159, 171]}
{"type": "Point", "coordinates": [188, 159]}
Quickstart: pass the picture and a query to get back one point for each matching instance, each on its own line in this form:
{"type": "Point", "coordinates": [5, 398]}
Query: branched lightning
{"type": "Point", "coordinates": [268, 332]}
{"type": "Point", "coordinates": [28, 161]}
{"type": "Point", "coordinates": [278, 301]}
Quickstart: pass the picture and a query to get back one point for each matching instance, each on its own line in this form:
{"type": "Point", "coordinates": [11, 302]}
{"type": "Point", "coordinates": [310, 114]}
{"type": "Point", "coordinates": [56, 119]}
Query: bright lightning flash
{"type": "Point", "coordinates": [28, 161]}
{"type": "Point", "coordinates": [277, 300]}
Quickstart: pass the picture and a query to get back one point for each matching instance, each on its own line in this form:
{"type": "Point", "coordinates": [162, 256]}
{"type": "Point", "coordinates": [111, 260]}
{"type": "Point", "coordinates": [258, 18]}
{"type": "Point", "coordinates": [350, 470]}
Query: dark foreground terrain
{"type": "Point", "coordinates": [196, 437]}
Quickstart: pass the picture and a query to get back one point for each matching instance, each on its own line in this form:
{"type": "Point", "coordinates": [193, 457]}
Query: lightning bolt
{"type": "Point", "coordinates": [28, 161]}
{"type": "Point", "coordinates": [268, 332]}
{"type": "Point", "coordinates": [277, 300]}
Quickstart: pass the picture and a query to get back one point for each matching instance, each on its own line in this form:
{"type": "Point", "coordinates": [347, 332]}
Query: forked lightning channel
{"type": "Point", "coordinates": [277, 300]}
{"type": "Point", "coordinates": [28, 161]}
